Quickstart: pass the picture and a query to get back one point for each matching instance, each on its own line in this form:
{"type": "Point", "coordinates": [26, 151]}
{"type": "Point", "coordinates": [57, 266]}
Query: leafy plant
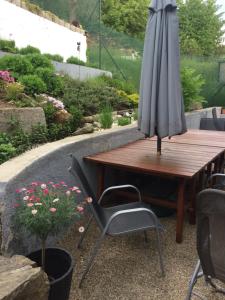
{"type": "Point", "coordinates": [8, 46]}
{"type": "Point", "coordinates": [75, 61]}
{"type": "Point", "coordinates": [53, 82]}
{"type": "Point", "coordinates": [55, 57]}
{"type": "Point", "coordinates": [135, 114]}
{"type": "Point", "coordinates": [7, 151]}
{"type": "Point", "coordinates": [39, 61]}
{"type": "Point", "coordinates": [33, 84]}
{"type": "Point", "coordinates": [14, 91]}
{"type": "Point", "coordinates": [192, 84]}
{"type": "Point", "coordinates": [18, 65]}
{"type": "Point", "coordinates": [39, 134]}
{"type": "Point", "coordinates": [45, 209]}
{"type": "Point", "coordinates": [106, 117]}
{"type": "Point", "coordinates": [123, 121]}
{"type": "Point", "coordinates": [29, 50]}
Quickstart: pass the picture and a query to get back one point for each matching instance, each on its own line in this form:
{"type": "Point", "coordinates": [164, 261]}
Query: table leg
{"type": "Point", "coordinates": [101, 178]}
{"type": "Point", "coordinates": [192, 199]}
{"type": "Point", "coordinates": [180, 211]}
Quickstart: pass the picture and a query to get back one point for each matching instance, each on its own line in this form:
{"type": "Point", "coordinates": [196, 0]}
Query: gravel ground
{"type": "Point", "coordinates": [127, 268]}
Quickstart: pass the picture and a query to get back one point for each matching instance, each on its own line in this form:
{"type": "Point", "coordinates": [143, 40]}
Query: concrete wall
{"type": "Point", "coordinates": [79, 72]}
{"type": "Point", "coordinates": [26, 28]}
{"type": "Point", "coordinates": [50, 162]}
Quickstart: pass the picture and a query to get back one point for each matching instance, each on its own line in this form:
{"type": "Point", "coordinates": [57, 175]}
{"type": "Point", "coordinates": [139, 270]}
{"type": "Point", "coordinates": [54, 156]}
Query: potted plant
{"type": "Point", "coordinates": [45, 209]}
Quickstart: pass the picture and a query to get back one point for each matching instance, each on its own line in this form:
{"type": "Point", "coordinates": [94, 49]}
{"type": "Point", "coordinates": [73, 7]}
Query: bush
{"type": "Point", "coordinates": [7, 151]}
{"type": "Point", "coordinates": [20, 140]}
{"type": "Point", "coordinates": [29, 50]}
{"type": "Point", "coordinates": [90, 97]}
{"type": "Point", "coordinates": [135, 114]}
{"type": "Point", "coordinates": [192, 84]}
{"type": "Point", "coordinates": [33, 84]}
{"type": "Point", "coordinates": [75, 61]}
{"type": "Point", "coordinates": [39, 134]}
{"type": "Point", "coordinates": [14, 91]}
{"type": "Point", "coordinates": [19, 65]}
{"type": "Point", "coordinates": [8, 46]}
{"type": "Point", "coordinates": [53, 82]}
{"type": "Point", "coordinates": [106, 118]}
{"type": "Point", "coordinates": [55, 57]}
{"type": "Point", "coordinates": [39, 61]}
{"type": "Point", "coordinates": [124, 121]}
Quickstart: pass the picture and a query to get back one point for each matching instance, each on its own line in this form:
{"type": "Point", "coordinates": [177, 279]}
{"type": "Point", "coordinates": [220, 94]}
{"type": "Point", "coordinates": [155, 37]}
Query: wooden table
{"type": "Point", "coordinates": [182, 161]}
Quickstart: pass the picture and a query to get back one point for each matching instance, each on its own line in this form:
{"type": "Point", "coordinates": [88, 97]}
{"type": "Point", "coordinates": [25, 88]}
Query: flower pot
{"type": "Point", "coordinates": [59, 268]}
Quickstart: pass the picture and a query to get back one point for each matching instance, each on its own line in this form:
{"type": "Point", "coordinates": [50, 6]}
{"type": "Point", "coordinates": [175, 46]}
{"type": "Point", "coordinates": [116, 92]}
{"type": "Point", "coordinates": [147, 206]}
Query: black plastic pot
{"type": "Point", "coordinates": [59, 268]}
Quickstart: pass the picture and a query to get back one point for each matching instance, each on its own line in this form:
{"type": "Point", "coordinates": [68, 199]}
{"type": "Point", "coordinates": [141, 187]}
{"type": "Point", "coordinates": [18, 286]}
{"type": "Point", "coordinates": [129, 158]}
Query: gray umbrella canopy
{"type": "Point", "coordinates": [161, 109]}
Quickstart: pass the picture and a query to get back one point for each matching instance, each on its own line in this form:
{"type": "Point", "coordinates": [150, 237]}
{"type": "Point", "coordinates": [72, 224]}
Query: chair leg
{"type": "Point", "coordinates": [92, 257]}
{"type": "Point", "coordinates": [159, 246]}
{"type": "Point", "coordinates": [193, 280]}
{"type": "Point", "coordinates": [84, 233]}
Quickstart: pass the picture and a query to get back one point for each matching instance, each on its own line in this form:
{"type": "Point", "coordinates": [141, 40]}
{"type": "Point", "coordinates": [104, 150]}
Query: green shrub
{"type": "Point", "coordinates": [18, 65]}
{"type": "Point", "coordinates": [14, 91]}
{"type": "Point", "coordinates": [8, 46]}
{"type": "Point", "coordinates": [75, 61]}
{"type": "Point", "coordinates": [39, 61]}
{"type": "Point", "coordinates": [49, 111]}
{"type": "Point", "coordinates": [33, 84]}
{"type": "Point", "coordinates": [135, 114]}
{"type": "Point", "coordinates": [90, 97]}
{"type": "Point", "coordinates": [7, 151]}
{"type": "Point", "coordinates": [106, 117]}
{"type": "Point", "coordinates": [20, 140]}
{"type": "Point", "coordinates": [192, 84]}
{"type": "Point", "coordinates": [55, 57]}
{"type": "Point", "coordinates": [39, 134]}
{"type": "Point", "coordinates": [124, 121]}
{"type": "Point", "coordinates": [29, 50]}
{"type": "Point", "coordinates": [53, 82]}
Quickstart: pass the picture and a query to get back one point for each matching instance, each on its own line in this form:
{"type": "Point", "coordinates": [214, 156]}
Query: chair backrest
{"type": "Point", "coordinates": [77, 170]}
{"type": "Point", "coordinates": [210, 124]}
{"type": "Point", "coordinates": [210, 209]}
{"type": "Point", "coordinates": [218, 125]}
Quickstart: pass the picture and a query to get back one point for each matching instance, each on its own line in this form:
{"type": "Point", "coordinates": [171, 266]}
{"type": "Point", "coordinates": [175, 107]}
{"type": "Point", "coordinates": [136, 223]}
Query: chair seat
{"type": "Point", "coordinates": [126, 223]}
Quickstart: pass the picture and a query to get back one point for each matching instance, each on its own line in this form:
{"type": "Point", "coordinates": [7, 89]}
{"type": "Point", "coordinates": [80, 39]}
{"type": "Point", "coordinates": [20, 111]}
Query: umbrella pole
{"type": "Point", "coordinates": [159, 145]}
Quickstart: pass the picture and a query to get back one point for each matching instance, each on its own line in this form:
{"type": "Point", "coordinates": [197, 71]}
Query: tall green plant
{"type": "Point", "coordinates": [106, 117]}
{"type": "Point", "coordinates": [192, 84]}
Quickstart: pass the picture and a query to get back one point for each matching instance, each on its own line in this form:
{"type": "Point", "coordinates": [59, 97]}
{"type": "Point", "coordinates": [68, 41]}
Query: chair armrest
{"type": "Point", "coordinates": [215, 175]}
{"type": "Point", "coordinates": [128, 211]}
{"type": "Point", "coordinates": [119, 187]}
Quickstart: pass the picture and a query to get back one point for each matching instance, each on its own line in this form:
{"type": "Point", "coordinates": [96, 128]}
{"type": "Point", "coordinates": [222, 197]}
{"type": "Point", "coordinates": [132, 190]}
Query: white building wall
{"type": "Point", "coordinates": [26, 28]}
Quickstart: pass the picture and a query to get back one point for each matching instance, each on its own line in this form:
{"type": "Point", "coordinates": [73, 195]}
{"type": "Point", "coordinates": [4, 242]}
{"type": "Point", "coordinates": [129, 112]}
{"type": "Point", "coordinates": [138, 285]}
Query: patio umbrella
{"type": "Point", "coordinates": [161, 109]}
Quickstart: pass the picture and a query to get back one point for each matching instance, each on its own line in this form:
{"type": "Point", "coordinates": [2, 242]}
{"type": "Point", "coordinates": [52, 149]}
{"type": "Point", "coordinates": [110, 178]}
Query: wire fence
{"type": "Point", "coordinates": [122, 55]}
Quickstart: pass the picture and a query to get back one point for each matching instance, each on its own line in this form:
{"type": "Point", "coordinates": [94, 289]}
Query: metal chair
{"type": "Point", "coordinates": [210, 208]}
{"type": "Point", "coordinates": [219, 126]}
{"type": "Point", "coordinates": [213, 123]}
{"type": "Point", "coordinates": [117, 220]}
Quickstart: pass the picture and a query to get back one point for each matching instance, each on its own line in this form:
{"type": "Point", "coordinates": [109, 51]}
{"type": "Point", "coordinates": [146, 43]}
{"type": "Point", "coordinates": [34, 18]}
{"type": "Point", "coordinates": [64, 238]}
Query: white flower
{"type": "Point", "coordinates": [127, 114]}
{"type": "Point", "coordinates": [68, 193]}
{"type": "Point", "coordinates": [34, 211]}
{"type": "Point", "coordinates": [43, 186]}
{"type": "Point", "coordinates": [89, 200]}
{"type": "Point", "coordinates": [55, 200]}
{"type": "Point", "coordinates": [81, 229]}
{"type": "Point", "coordinates": [25, 198]}
{"type": "Point", "coordinates": [38, 204]}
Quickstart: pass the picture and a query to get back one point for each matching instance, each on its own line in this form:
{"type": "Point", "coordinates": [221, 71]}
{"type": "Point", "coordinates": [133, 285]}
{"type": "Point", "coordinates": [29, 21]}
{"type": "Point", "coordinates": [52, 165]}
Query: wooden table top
{"type": "Point", "coordinates": [199, 137]}
{"type": "Point", "coordinates": [177, 159]}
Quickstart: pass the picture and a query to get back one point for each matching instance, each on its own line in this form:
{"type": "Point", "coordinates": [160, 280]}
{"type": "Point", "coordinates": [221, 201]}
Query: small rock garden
{"type": "Point", "coordinates": [71, 107]}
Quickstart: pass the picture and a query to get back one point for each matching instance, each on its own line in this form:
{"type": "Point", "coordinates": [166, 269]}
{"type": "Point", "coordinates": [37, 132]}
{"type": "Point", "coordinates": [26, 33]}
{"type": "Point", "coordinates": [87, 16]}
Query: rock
{"type": "Point", "coordinates": [62, 116]}
{"type": "Point", "coordinates": [21, 280]}
{"type": "Point", "coordinates": [88, 128]}
{"type": "Point", "coordinates": [89, 119]}
{"type": "Point", "coordinates": [97, 125]}
{"type": "Point", "coordinates": [26, 117]}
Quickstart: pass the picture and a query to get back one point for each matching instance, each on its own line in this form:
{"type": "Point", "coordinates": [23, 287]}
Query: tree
{"type": "Point", "coordinates": [128, 16]}
{"type": "Point", "coordinates": [200, 26]}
